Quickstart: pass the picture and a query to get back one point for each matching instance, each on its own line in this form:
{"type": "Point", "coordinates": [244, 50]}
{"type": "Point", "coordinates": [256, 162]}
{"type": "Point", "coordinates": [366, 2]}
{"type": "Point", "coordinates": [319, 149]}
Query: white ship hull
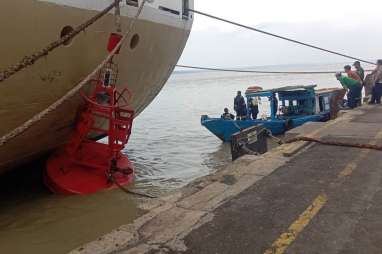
{"type": "Point", "coordinates": [30, 25]}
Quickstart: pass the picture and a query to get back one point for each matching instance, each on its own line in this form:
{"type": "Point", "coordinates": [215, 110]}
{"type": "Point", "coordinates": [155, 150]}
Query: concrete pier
{"type": "Point", "coordinates": [298, 198]}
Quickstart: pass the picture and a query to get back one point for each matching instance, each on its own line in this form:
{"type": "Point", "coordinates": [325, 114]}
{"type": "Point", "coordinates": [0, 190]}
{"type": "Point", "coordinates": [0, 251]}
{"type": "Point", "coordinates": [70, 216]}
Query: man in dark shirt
{"type": "Point", "coordinates": [240, 107]}
{"type": "Point", "coordinates": [227, 115]}
{"type": "Point", "coordinates": [377, 81]}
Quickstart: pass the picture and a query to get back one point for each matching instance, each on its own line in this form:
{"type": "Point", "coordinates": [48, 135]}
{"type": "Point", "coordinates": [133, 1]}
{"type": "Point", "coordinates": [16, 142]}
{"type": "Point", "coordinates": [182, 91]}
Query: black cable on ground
{"type": "Point", "coordinates": [280, 37]}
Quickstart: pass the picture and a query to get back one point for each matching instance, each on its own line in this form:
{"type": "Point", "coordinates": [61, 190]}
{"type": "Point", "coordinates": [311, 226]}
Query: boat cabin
{"type": "Point", "coordinates": [287, 102]}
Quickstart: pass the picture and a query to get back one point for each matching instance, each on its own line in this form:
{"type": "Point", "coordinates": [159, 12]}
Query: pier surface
{"type": "Point", "coordinates": [298, 198]}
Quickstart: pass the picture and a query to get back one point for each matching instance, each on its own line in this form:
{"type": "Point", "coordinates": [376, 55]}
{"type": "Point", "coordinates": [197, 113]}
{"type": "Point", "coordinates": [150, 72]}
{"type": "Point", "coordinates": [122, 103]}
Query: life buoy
{"type": "Point", "coordinates": [253, 89]}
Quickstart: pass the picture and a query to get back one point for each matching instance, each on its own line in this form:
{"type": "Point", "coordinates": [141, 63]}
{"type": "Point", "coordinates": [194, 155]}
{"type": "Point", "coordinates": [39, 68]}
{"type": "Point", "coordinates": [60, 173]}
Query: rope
{"type": "Point", "coordinates": [31, 59]}
{"type": "Point", "coordinates": [323, 142]}
{"type": "Point", "coordinates": [280, 37]}
{"type": "Point", "coordinates": [117, 14]}
{"type": "Point", "coordinates": [257, 71]}
{"type": "Point", "coordinates": [22, 128]}
{"type": "Point", "coordinates": [334, 143]}
{"type": "Point", "coordinates": [128, 191]}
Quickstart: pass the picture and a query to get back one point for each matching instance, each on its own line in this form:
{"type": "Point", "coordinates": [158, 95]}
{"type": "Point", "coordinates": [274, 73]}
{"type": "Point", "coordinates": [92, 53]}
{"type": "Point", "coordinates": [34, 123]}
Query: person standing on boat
{"type": "Point", "coordinates": [253, 105]}
{"type": "Point", "coordinates": [360, 71]}
{"type": "Point", "coordinates": [227, 115]}
{"type": "Point", "coordinates": [240, 107]}
{"type": "Point", "coordinates": [377, 81]}
{"type": "Point", "coordinates": [353, 87]}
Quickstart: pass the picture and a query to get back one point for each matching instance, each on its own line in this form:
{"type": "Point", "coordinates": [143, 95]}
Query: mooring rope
{"type": "Point", "coordinates": [38, 117]}
{"type": "Point", "coordinates": [280, 37]}
{"type": "Point", "coordinates": [257, 71]}
{"type": "Point", "coordinates": [324, 142]}
{"type": "Point", "coordinates": [129, 191]}
{"type": "Point", "coordinates": [33, 58]}
{"type": "Point", "coordinates": [334, 143]}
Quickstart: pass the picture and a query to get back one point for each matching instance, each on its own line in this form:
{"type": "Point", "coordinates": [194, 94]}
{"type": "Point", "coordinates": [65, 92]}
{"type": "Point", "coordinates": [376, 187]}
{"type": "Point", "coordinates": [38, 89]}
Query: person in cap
{"type": "Point", "coordinates": [377, 81]}
{"type": "Point", "coordinates": [240, 107]}
{"type": "Point", "coordinates": [360, 71]}
{"type": "Point", "coordinates": [227, 115]}
{"type": "Point", "coordinates": [352, 74]}
{"type": "Point", "coordinates": [353, 88]}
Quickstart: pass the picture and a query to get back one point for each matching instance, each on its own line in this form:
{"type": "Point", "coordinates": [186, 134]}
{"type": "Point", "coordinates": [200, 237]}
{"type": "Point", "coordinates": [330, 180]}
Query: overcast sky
{"type": "Point", "coordinates": [348, 26]}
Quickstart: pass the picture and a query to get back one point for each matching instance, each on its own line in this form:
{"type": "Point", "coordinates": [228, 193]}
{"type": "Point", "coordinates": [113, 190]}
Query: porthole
{"type": "Point", "coordinates": [65, 31]}
{"type": "Point", "coordinates": [134, 41]}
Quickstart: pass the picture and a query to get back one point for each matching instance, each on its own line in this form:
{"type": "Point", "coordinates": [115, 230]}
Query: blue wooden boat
{"type": "Point", "coordinates": [295, 106]}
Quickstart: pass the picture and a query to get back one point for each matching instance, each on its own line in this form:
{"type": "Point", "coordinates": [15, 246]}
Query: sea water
{"type": "Point", "coordinates": [169, 148]}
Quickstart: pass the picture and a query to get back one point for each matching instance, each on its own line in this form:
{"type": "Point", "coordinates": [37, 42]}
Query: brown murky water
{"type": "Point", "coordinates": [32, 220]}
{"type": "Point", "coordinates": [169, 148]}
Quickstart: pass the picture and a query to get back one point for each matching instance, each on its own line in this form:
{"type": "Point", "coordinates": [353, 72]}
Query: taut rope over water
{"type": "Point", "coordinates": [280, 37]}
{"type": "Point", "coordinates": [256, 71]}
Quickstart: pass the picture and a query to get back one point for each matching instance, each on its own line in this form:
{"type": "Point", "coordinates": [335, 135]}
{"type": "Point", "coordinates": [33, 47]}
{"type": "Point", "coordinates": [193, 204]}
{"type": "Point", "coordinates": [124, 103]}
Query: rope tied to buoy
{"type": "Point", "coordinates": [112, 179]}
{"type": "Point", "coordinates": [38, 117]}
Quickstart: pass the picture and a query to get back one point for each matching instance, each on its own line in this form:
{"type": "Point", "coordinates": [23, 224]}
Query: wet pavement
{"type": "Point", "coordinates": [317, 199]}
{"type": "Point", "coordinates": [350, 220]}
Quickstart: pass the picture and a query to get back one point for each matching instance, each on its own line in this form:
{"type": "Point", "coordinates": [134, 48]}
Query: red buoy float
{"type": "Point", "coordinates": [253, 89]}
{"type": "Point", "coordinates": [85, 166]}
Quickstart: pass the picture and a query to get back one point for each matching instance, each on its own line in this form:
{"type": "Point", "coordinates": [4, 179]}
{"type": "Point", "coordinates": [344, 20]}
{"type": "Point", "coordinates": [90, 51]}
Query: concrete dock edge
{"type": "Point", "coordinates": [169, 219]}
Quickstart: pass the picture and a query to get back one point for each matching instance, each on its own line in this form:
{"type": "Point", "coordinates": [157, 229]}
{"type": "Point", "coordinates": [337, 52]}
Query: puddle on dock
{"type": "Point", "coordinates": [169, 148]}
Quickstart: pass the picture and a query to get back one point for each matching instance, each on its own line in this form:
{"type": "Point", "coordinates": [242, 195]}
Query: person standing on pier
{"type": "Point", "coordinates": [377, 81]}
{"type": "Point", "coordinates": [240, 107]}
{"type": "Point", "coordinates": [360, 71]}
{"type": "Point", "coordinates": [353, 87]}
{"type": "Point", "coordinates": [352, 74]}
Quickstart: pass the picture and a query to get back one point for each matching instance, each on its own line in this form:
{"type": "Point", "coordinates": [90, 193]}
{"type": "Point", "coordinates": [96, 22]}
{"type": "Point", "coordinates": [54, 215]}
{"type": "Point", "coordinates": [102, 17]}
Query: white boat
{"type": "Point", "coordinates": [145, 62]}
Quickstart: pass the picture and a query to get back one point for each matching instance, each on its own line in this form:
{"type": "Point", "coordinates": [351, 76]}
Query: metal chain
{"type": "Point", "coordinates": [32, 59]}
{"type": "Point", "coordinates": [38, 117]}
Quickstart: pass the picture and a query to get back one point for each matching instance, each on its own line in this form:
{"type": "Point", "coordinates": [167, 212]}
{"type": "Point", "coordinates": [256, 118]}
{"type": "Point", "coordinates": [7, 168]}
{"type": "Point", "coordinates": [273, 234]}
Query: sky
{"type": "Point", "coordinates": [347, 26]}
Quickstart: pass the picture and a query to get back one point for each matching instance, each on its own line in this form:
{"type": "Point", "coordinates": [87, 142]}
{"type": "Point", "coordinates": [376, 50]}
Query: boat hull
{"type": "Point", "coordinates": [224, 129]}
{"type": "Point", "coordinates": [144, 68]}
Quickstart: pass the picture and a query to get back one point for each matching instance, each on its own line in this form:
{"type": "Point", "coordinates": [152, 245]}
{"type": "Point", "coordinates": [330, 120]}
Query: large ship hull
{"type": "Point", "coordinates": [145, 63]}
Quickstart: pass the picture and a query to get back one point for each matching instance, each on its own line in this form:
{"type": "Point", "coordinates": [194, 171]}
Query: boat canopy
{"type": "Point", "coordinates": [292, 100]}
{"type": "Point", "coordinates": [270, 92]}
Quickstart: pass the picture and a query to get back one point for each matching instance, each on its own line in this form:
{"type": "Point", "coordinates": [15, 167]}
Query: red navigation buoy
{"type": "Point", "coordinates": [85, 166]}
{"type": "Point", "coordinates": [70, 177]}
